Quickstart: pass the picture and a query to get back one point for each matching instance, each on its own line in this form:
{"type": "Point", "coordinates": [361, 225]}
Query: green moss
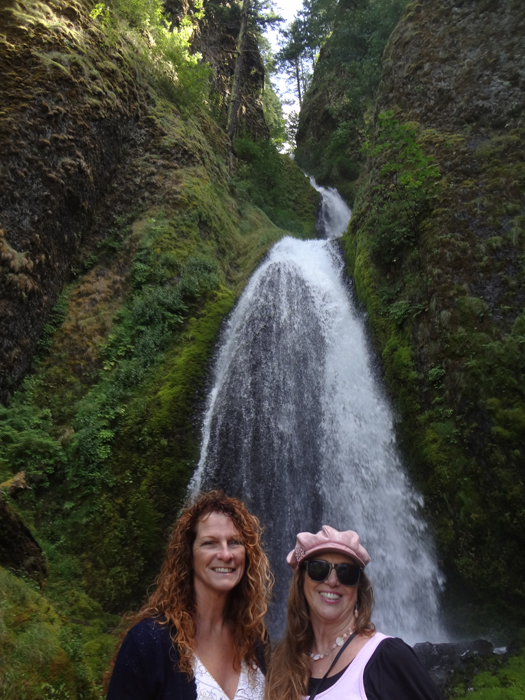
{"type": "Point", "coordinates": [277, 185]}
{"type": "Point", "coordinates": [189, 363]}
{"type": "Point", "coordinates": [446, 317]}
{"type": "Point", "coordinates": [45, 654]}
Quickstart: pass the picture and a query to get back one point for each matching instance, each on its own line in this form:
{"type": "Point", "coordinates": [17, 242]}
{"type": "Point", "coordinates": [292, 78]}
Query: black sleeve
{"type": "Point", "coordinates": [134, 676]}
{"type": "Point", "coordinates": [395, 673]}
{"type": "Point", "coordinates": [145, 667]}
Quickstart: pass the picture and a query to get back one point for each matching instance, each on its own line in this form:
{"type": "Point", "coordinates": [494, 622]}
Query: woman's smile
{"type": "Point", "coordinates": [329, 596]}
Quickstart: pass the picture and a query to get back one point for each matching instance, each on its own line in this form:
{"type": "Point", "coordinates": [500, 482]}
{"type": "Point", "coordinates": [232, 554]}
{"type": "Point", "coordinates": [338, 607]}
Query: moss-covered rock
{"type": "Point", "coordinates": [501, 677]}
{"type": "Point", "coordinates": [446, 305]}
{"type": "Point", "coordinates": [19, 550]}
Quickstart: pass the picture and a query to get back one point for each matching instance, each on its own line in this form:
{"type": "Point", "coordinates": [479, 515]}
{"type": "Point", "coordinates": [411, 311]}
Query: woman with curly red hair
{"type": "Point", "coordinates": [201, 635]}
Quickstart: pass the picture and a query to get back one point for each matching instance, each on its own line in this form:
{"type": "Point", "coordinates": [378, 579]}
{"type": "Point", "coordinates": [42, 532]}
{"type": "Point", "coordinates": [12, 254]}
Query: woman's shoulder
{"type": "Point", "coordinates": [392, 650]}
{"type": "Point", "coordinates": [393, 646]}
{"type": "Point", "coordinates": [151, 631]}
{"type": "Point", "coordinates": [394, 670]}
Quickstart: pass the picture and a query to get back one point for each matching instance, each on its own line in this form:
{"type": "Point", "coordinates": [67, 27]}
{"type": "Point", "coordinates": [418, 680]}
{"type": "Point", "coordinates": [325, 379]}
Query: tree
{"type": "Point", "coordinates": [292, 56]}
{"type": "Point", "coordinates": [255, 16]}
{"type": "Point", "coordinates": [303, 40]}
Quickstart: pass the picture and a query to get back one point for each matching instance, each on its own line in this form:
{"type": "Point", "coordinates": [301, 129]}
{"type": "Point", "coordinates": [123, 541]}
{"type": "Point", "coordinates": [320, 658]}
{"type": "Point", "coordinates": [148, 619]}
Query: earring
{"type": "Point", "coordinates": [356, 611]}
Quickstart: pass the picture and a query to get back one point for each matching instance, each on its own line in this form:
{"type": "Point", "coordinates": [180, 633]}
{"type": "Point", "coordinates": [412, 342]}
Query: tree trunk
{"type": "Point", "coordinates": [298, 77]}
{"type": "Point", "coordinates": [236, 86]}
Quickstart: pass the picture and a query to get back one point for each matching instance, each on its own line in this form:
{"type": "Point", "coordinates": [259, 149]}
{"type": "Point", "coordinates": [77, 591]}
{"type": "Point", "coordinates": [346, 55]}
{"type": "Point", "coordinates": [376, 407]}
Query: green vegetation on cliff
{"type": "Point", "coordinates": [436, 250]}
{"type": "Point", "coordinates": [50, 650]}
{"type": "Point", "coordinates": [344, 86]}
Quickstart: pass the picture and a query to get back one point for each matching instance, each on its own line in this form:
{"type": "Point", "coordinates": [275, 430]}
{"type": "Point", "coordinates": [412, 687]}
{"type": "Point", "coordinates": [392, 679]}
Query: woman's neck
{"type": "Point", "coordinates": [210, 608]}
{"type": "Point", "coordinates": [325, 633]}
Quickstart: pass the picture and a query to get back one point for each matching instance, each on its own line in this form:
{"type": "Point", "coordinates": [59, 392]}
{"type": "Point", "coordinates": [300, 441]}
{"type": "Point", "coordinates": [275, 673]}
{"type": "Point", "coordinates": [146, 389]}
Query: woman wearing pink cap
{"type": "Point", "coordinates": [330, 647]}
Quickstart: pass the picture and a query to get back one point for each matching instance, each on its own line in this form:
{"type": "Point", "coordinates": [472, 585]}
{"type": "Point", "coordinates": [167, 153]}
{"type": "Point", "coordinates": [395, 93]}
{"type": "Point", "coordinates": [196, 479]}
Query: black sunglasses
{"type": "Point", "coordinates": [319, 570]}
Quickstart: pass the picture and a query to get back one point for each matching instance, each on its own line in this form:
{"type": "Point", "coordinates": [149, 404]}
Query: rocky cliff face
{"type": "Point", "coordinates": [126, 237]}
{"type": "Point", "coordinates": [69, 118]}
{"type": "Point", "coordinates": [467, 72]}
{"type": "Point", "coordinates": [216, 40]}
{"type": "Point", "coordinates": [446, 295]}
{"type": "Point", "coordinates": [76, 113]}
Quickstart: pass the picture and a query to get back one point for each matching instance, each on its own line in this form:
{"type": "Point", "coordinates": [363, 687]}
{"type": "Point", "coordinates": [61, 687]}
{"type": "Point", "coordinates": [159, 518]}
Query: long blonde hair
{"type": "Point", "coordinates": [289, 669]}
{"type": "Point", "coordinates": [173, 601]}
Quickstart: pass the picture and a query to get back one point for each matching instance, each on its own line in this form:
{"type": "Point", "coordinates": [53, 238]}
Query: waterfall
{"type": "Point", "coordinates": [299, 428]}
{"type": "Point", "coordinates": [334, 213]}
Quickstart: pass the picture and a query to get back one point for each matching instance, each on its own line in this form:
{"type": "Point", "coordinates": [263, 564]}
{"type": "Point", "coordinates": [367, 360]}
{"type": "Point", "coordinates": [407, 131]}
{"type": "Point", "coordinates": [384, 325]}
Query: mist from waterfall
{"type": "Point", "coordinates": [298, 426]}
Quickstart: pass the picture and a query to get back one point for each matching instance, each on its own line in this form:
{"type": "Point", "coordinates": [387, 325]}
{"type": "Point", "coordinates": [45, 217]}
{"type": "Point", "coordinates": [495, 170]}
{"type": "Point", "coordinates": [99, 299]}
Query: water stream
{"type": "Point", "coordinates": [298, 426]}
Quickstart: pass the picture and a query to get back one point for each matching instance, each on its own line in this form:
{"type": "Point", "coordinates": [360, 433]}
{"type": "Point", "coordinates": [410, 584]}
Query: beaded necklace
{"type": "Point", "coordinates": [338, 643]}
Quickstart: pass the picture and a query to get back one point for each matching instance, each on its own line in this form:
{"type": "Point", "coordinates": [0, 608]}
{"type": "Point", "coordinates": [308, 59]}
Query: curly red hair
{"type": "Point", "coordinates": [173, 601]}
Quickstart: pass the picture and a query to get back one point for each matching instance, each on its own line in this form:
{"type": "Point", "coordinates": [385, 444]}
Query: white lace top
{"type": "Point", "coordinates": [248, 688]}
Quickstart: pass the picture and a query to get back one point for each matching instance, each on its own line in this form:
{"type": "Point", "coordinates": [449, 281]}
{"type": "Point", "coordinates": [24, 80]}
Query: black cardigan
{"type": "Point", "coordinates": [144, 669]}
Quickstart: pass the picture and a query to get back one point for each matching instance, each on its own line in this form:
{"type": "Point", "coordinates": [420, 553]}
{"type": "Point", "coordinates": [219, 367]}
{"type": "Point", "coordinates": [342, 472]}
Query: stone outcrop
{"type": "Point", "coordinates": [75, 113]}
{"type": "Point", "coordinates": [19, 551]}
{"type": "Point", "coordinates": [442, 660]}
{"type": "Point", "coordinates": [450, 64]}
{"type": "Point", "coordinates": [68, 117]}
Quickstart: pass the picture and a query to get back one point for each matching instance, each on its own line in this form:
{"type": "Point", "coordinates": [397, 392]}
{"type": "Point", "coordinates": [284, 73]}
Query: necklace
{"type": "Point", "coordinates": [338, 643]}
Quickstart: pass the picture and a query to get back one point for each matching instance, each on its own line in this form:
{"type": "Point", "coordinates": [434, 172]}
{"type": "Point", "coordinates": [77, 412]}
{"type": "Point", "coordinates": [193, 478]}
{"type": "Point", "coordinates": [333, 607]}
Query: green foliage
{"type": "Point", "coordinates": [274, 183]}
{"type": "Point", "coordinates": [273, 112]}
{"type": "Point", "coordinates": [301, 41]}
{"type": "Point", "coordinates": [26, 443]}
{"type": "Point", "coordinates": [164, 288]}
{"type": "Point", "coordinates": [43, 656]}
{"type": "Point", "coordinates": [404, 189]}
{"type": "Point", "coordinates": [167, 56]}
{"type": "Point", "coordinates": [505, 680]}
{"type": "Point", "coordinates": [141, 14]}
{"type": "Point", "coordinates": [54, 321]}
{"type": "Point", "coordinates": [345, 81]}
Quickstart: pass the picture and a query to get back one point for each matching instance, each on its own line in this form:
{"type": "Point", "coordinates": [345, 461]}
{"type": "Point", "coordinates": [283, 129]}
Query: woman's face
{"type": "Point", "coordinates": [330, 602]}
{"type": "Point", "coordinates": [219, 555]}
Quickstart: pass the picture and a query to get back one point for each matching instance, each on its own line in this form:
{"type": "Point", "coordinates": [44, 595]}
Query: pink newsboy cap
{"type": "Point", "coordinates": [328, 540]}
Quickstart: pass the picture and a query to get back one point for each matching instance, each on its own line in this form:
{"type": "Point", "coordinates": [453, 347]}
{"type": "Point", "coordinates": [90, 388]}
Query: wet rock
{"type": "Point", "coordinates": [16, 484]}
{"type": "Point", "coordinates": [441, 660]}
{"type": "Point", "coordinates": [19, 551]}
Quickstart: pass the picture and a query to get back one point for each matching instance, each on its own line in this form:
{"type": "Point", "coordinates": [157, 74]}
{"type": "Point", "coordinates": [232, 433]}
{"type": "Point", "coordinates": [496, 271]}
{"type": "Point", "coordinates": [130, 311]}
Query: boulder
{"type": "Point", "coordinates": [19, 551]}
{"type": "Point", "coordinates": [441, 660]}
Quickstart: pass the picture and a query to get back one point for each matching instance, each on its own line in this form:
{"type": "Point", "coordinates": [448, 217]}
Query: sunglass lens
{"type": "Point", "coordinates": [348, 574]}
{"type": "Point", "coordinates": [318, 570]}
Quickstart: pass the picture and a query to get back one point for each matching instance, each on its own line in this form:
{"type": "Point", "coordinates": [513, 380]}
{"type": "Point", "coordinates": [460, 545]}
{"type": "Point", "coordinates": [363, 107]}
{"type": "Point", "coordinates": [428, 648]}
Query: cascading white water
{"type": "Point", "coordinates": [334, 213]}
{"type": "Point", "coordinates": [298, 426]}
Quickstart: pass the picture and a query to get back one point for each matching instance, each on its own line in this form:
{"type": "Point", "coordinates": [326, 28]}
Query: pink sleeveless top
{"type": "Point", "coordinates": [350, 686]}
